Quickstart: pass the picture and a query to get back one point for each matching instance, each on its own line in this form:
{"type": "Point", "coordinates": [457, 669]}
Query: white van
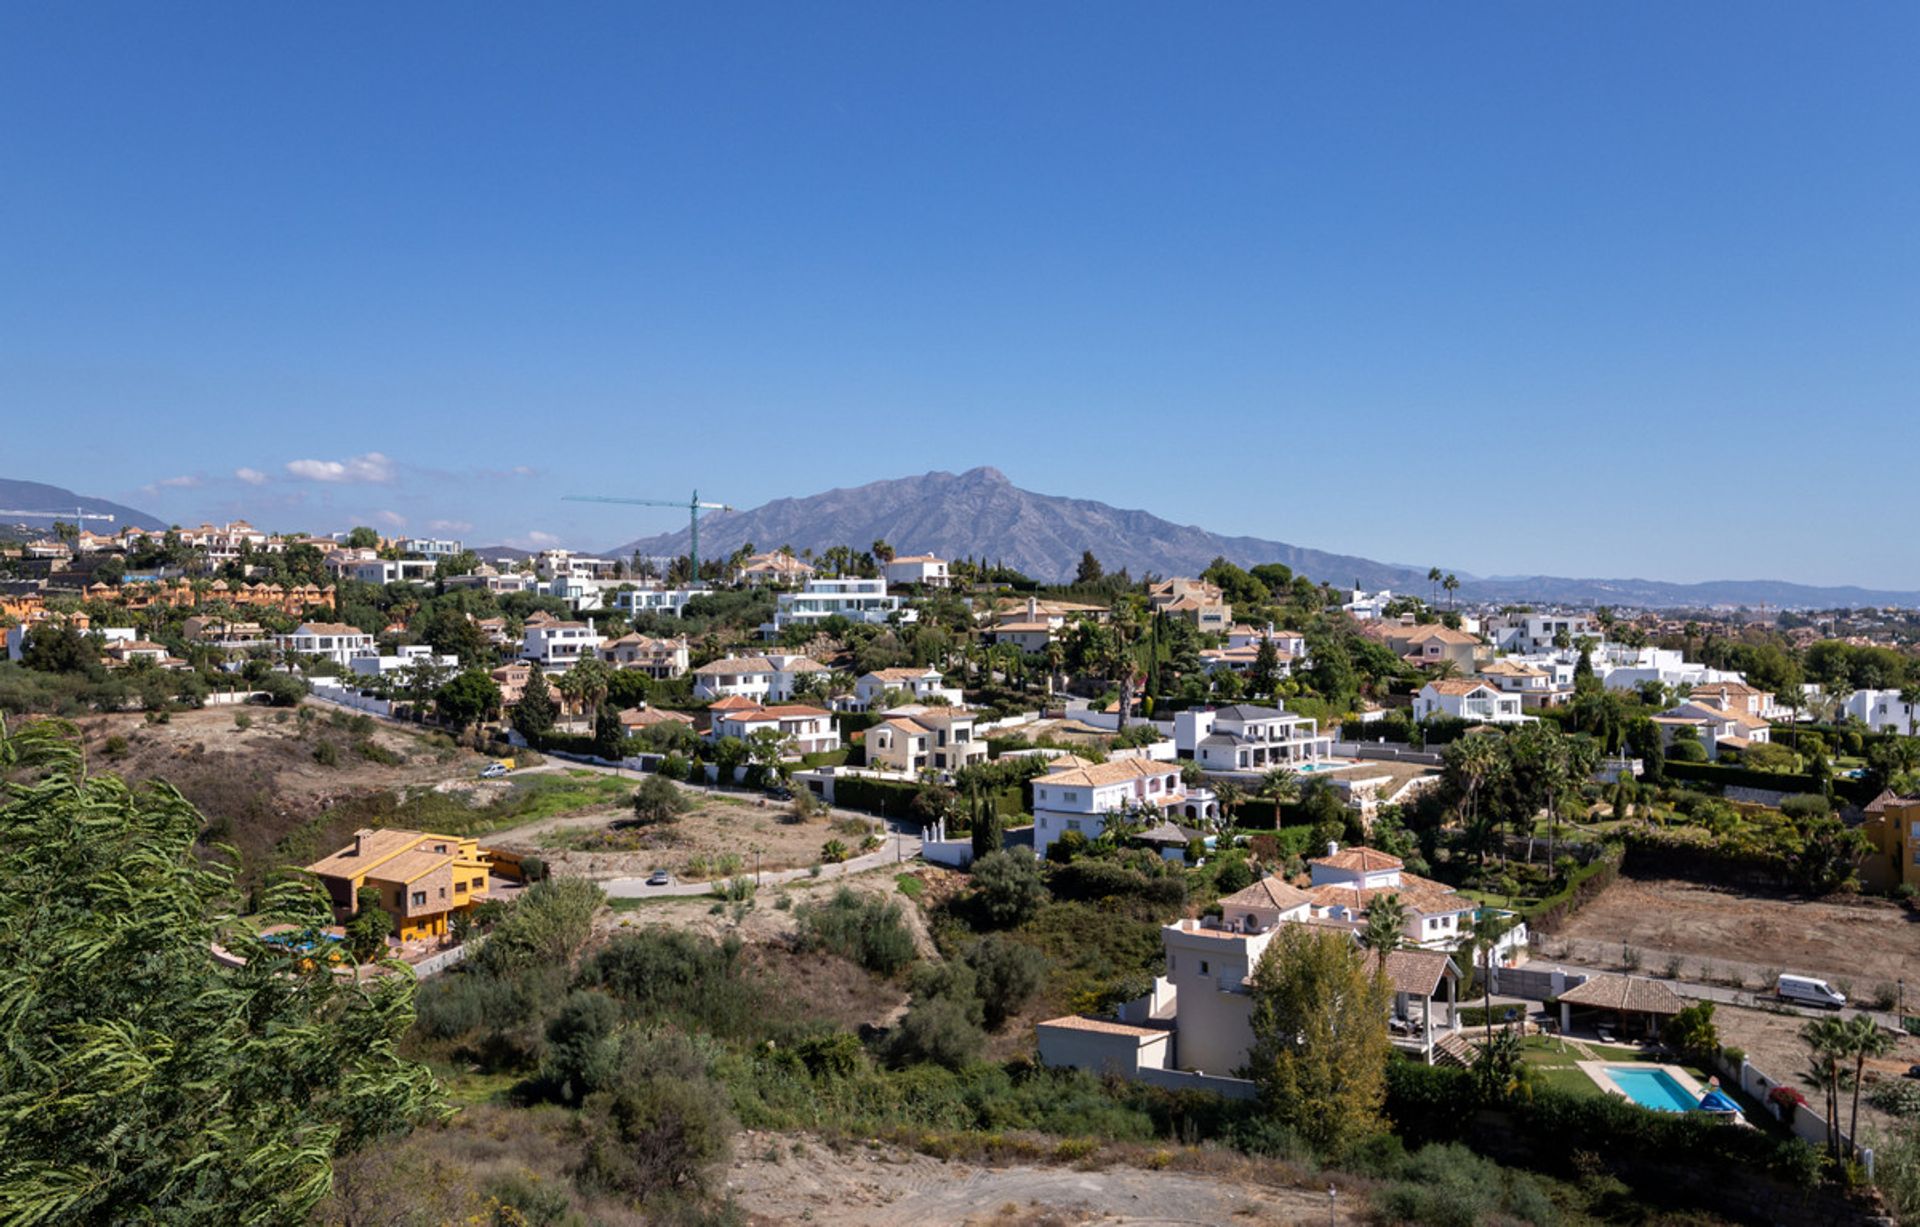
{"type": "Point", "coordinates": [1808, 991]}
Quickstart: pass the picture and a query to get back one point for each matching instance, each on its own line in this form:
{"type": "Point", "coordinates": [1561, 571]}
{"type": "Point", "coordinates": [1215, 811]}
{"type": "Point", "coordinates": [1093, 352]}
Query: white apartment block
{"type": "Point", "coordinates": [764, 679]}
{"type": "Point", "coordinates": [922, 569]}
{"type": "Point", "coordinates": [395, 571]}
{"type": "Point", "coordinates": [556, 645]}
{"type": "Point", "coordinates": [1249, 739]}
{"type": "Point", "coordinates": [669, 601]}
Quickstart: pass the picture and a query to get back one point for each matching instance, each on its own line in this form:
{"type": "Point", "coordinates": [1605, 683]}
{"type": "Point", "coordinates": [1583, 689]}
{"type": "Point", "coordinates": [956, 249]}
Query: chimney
{"type": "Point", "coordinates": [1333, 846]}
{"type": "Point", "coordinates": [1033, 608]}
{"type": "Point", "coordinates": [359, 840]}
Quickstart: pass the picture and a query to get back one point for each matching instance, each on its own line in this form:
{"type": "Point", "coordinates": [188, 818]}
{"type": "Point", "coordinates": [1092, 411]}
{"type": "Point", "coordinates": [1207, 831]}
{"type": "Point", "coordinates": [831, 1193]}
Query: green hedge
{"type": "Point", "coordinates": [1727, 776]}
{"type": "Point", "coordinates": [1583, 885]}
{"type": "Point", "coordinates": [1549, 1127]}
{"type": "Point", "coordinates": [1294, 841]}
{"type": "Point", "coordinates": [887, 798]}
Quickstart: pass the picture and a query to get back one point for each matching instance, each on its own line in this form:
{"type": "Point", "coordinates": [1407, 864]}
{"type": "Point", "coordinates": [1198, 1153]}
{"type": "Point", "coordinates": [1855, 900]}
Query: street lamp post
{"type": "Point", "coordinates": [1333, 1199]}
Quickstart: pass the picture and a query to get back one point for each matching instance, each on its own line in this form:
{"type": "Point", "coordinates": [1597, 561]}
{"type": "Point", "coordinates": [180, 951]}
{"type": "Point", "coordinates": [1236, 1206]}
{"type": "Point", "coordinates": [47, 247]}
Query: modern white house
{"type": "Point", "coordinates": [1539, 681]}
{"type": "Point", "coordinates": [335, 641]}
{"type": "Point", "coordinates": [922, 684]}
{"type": "Point", "coordinates": [405, 658]}
{"type": "Point", "coordinates": [1364, 606]}
{"type": "Point", "coordinates": [1084, 797]}
{"type": "Point", "coordinates": [430, 547]}
{"type": "Point", "coordinates": [805, 730]}
{"type": "Point", "coordinates": [396, 571]}
{"type": "Point", "coordinates": [1242, 650]}
{"type": "Point", "coordinates": [1882, 710]}
{"type": "Point", "coordinates": [556, 645]}
{"type": "Point", "coordinates": [1468, 699]}
{"type": "Point", "coordinates": [923, 569]}
{"type": "Point", "coordinates": [1536, 632]}
{"type": "Point", "coordinates": [857, 600]}
{"type": "Point", "coordinates": [764, 679]}
{"type": "Point", "coordinates": [669, 601]}
{"type": "Point", "coordinates": [1249, 739]}
{"type": "Point", "coordinates": [554, 564]}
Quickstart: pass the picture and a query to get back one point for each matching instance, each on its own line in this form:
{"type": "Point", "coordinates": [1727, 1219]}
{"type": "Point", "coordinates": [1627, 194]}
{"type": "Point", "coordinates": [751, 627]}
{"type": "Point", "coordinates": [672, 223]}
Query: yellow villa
{"type": "Point", "coordinates": [422, 878]}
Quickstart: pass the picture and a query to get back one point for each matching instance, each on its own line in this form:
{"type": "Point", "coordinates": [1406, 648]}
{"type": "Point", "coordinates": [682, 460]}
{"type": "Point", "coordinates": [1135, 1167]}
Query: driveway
{"type": "Point", "coordinates": [896, 850]}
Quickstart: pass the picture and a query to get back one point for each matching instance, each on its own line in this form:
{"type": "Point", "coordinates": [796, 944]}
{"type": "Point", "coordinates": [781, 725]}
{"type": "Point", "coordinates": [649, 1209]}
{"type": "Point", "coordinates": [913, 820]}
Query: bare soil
{"type": "Point", "coordinates": [777, 1178]}
{"type": "Point", "coordinates": [765, 922]}
{"type": "Point", "coordinates": [1863, 941]}
{"type": "Point", "coordinates": [261, 788]}
{"type": "Point", "coordinates": [604, 844]}
{"type": "Point", "coordinates": [1773, 1045]}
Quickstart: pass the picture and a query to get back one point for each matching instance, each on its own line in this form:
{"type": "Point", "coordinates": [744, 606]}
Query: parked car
{"type": "Point", "coordinates": [493, 771]}
{"type": "Point", "coordinates": [659, 877]}
{"type": "Point", "coordinates": [1808, 991]}
{"type": "Point", "coordinates": [780, 792]}
{"type": "Point", "coordinates": [1913, 1071]}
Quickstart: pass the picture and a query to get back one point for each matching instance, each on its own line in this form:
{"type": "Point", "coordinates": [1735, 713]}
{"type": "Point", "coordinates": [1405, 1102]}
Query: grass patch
{"type": "Point", "coordinates": [636, 904]}
{"type": "Point", "coordinates": [909, 885]}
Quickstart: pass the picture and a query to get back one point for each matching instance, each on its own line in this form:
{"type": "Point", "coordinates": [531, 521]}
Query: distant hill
{"type": "Point", "coordinates": [37, 496]}
{"type": "Point", "coordinates": [981, 514]}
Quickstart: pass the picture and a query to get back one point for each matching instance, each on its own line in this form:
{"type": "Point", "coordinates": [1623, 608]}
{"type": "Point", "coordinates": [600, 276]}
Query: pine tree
{"type": "Point", "coordinates": [533, 716]}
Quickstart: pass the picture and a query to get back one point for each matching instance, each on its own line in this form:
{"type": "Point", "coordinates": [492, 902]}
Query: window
{"type": "Point", "coordinates": [443, 892]}
{"type": "Point", "coordinates": [479, 883]}
{"type": "Point", "coordinates": [460, 887]}
{"type": "Point", "coordinates": [419, 898]}
{"type": "Point", "coordinates": [1203, 967]}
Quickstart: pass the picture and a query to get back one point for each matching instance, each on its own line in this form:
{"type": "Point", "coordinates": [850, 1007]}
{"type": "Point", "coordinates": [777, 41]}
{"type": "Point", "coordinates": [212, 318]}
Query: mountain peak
{"type": "Point", "coordinates": [985, 475]}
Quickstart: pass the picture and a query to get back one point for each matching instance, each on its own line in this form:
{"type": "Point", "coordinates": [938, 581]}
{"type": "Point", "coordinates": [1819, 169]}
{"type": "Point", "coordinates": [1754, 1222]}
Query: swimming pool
{"type": "Point", "coordinates": [1653, 1088]}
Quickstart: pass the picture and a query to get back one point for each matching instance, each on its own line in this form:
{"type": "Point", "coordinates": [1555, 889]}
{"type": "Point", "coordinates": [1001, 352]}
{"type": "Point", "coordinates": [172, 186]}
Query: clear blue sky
{"type": "Point", "coordinates": [1598, 289]}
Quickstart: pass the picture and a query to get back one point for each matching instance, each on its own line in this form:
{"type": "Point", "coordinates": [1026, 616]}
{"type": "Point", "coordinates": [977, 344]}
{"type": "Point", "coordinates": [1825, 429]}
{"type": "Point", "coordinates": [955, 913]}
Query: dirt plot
{"type": "Point", "coordinates": [1773, 1045]}
{"type": "Point", "coordinates": [1864, 941]}
{"type": "Point", "coordinates": [770, 918]}
{"type": "Point", "coordinates": [601, 844]}
{"type": "Point", "coordinates": [782, 1179]}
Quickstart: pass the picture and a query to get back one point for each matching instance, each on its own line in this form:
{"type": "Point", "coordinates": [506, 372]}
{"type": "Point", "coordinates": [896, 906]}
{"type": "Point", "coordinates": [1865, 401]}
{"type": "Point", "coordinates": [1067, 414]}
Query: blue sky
{"type": "Point", "coordinates": [1623, 289]}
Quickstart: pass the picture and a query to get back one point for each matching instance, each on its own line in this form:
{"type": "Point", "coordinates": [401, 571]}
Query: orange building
{"type": "Point", "coordinates": [422, 878]}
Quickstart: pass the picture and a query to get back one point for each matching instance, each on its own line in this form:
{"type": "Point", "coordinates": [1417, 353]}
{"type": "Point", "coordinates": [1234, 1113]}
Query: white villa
{"type": "Point", "coordinates": [922, 684]}
{"type": "Point", "coordinates": [669, 601]}
{"type": "Point", "coordinates": [336, 641]}
{"type": "Point", "coordinates": [1537, 632]}
{"type": "Point", "coordinates": [924, 569]}
{"type": "Point", "coordinates": [1082, 797]}
{"type": "Point", "coordinates": [857, 600]}
{"type": "Point", "coordinates": [764, 679]}
{"type": "Point", "coordinates": [657, 658]}
{"type": "Point", "coordinates": [1250, 739]}
{"type": "Point", "coordinates": [806, 730]}
{"type": "Point", "coordinates": [1881, 710]}
{"type": "Point", "coordinates": [1539, 681]}
{"type": "Point", "coordinates": [557, 645]}
{"type": "Point", "coordinates": [1715, 728]}
{"type": "Point", "coordinates": [1468, 699]}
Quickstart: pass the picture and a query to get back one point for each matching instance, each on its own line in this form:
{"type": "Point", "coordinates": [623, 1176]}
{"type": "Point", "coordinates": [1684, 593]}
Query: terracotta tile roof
{"type": "Point", "coordinates": [901, 674]}
{"type": "Point", "coordinates": [1632, 993]}
{"type": "Point", "coordinates": [1460, 686]}
{"type": "Point", "coordinates": [1267, 893]}
{"type": "Point", "coordinates": [1445, 634]}
{"type": "Point", "coordinates": [733, 702]}
{"type": "Point", "coordinates": [1416, 972]}
{"type": "Point", "coordinates": [1116, 772]}
{"type": "Point", "coordinates": [759, 664]}
{"type": "Point", "coordinates": [1074, 1022]}
{"type": "Point", "coordinates": [1359, 859]}
{"type": "Point", "coordinates": [327, 628]}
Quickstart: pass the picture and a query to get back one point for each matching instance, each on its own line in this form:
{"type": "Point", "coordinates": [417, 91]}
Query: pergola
{"type": "Point", "coordinates": [1418, 975]}
{"type": "Point", "coordinates": [1637, 1004]}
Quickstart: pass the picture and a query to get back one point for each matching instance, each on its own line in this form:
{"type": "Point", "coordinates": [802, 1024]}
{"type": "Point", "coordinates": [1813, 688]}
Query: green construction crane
{"type": "Point", "coordinates": [693, 505]}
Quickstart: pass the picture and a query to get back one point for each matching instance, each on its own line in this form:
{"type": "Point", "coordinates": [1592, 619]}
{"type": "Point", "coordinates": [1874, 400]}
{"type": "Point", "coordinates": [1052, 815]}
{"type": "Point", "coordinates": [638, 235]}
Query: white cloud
{"type": "Point", "coordinates": [450, 526]}
{"type": "Point", "coordinates": [534, 540]}
{"type": "Point", "coordinates": [253, 477]}
{"type": "Point", "coordinates": [372, 467]}
{"type": "Point", "coordinates": [392, 519]}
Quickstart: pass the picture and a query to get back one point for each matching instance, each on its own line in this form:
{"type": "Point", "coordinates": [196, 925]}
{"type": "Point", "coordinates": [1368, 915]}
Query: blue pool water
{"type": "Point", "coordinates": [1310, 768]}
{"type": "Point", "coordinates": [1653, 1088]}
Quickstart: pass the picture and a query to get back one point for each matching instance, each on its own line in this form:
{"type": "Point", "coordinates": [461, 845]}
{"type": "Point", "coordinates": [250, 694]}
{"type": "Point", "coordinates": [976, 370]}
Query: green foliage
{"type": "Point", "coordinates": [1008, 972]}
{"type": "Point", "coordinates": [1320, 1036]}
{"type": "Point", "coordinates": [1692, 1033]}
{"type": "Point", "coordinates": [367, 931]}
{"type": "Point", "coordinates": [141, 1080]}
{"type": "Point", "coordinates": [662, 1129]}
{"type": "Point", "coordinates": [658, 800]}
{"type": "Point", "coordinates": [471, 697]}
{"type": "Point", "coordinates": [1007, 887]}
{"type": "Point", "coordinates": [543, 927]}
{"type": "Point", "coordinates": [672, 976]}
{"type": "Point", "coordinates": [864, 930]}
{"type": "Point", "coordinates": [942, 1025]}
{"type": "Point", "coordinates": [533, 716]}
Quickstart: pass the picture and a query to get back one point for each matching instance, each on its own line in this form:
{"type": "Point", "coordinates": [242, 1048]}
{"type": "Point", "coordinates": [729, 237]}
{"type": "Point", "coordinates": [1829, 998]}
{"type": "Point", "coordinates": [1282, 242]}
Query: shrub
{"type": "Point", "coordinates": [242, 721]}
{"type": "Point", "coordinates": [1008, 973]}
{"type": "Point", "coordinates": [943, 1025]}
{"type": "Point", "coordinates": [671, 975]}
{"type": "Point", "coordinates": [659, 800]}
{"type": "Point", "coordinates": [833, 852]}
{"type": "Point", "coordinates": [1897, 1097]}
{"type": "Point", "coordinates": [868, 931]}
{"type": "Point", "coordinates": [115, 746]}
{"type": "Point", "coordinates": [326, 754]}
{"type": "Point", "coordinates": [545, 926]}
{"type": "Point", "coordinates": [1007, 888]}
{"type": "Point", "coordinates": [656, 1135]}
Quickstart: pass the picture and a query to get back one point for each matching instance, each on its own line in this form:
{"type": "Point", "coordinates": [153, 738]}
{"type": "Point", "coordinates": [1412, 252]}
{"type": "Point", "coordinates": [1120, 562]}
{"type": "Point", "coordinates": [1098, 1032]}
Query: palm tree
{"type": "Point", "coordinates": [1828, 1041]}
{"type": "Point", "coordinates": [1865, 1040]}
{"type": "Point", "coordinates": [1483, 940]}
{"type": "Point", "coordinates": [1386, 927]}
{"type": "Point", "coordinates": [1452, 584]}
{"type": "Point", "coordinates": [1469, 764]}
{"type": "Point", "coordinates": [1282, 784]}
{"type": "Point", "coordinates": [1910, 695]}
{"type": "Point", "coordinates": [1434, 577]}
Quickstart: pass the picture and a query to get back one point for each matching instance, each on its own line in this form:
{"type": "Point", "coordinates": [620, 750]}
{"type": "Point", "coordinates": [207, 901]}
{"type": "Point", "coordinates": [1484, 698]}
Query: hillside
{"type": "Point", "coordinates": [981, 514]}
{"type": "Point", "coordinates": [37, 496]}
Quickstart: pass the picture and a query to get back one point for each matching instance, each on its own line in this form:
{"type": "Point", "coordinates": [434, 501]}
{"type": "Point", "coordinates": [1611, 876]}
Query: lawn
{"type": "Point", "coordinates": [1554, 1061]}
